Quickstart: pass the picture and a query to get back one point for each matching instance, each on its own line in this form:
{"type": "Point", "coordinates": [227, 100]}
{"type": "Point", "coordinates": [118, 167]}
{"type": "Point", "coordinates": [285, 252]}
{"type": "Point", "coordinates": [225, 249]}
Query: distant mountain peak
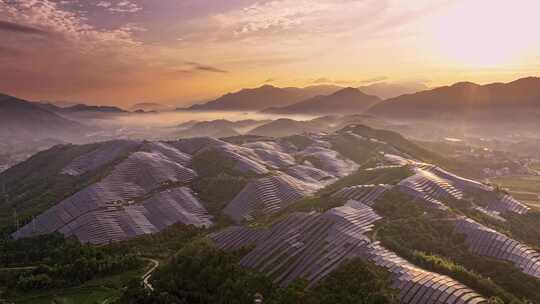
{"type": "Point", "coordinates": [29, 120]}
{"type": "Point", "coordinates": [256, 99]}
{"type": "Point", "coordinates": [345, 101]}
{"type": "Point", "coordinates": [349, 91]}
{"type": "Point", "coordinates": [149, 106]}
{"type": "Point", "coordinates": [527, 79]}
{"type": "Point", "coordinates": [465, 84]}
{"type": "Point", "coordinates": [519, 99]}
{"type": "Point", "coordinates": [385, 90]}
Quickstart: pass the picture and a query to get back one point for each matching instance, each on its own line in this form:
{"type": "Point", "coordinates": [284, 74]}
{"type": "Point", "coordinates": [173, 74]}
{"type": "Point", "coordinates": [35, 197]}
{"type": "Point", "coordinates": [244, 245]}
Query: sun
{"type": "Point", "coordinates": [481, 33]}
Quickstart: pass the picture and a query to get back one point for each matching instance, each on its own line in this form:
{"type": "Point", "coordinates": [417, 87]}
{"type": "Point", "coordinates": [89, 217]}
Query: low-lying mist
{"type": "Point", "coordinates": [518, 136]}
{"type": "Point", "coordinates": [176, 118]}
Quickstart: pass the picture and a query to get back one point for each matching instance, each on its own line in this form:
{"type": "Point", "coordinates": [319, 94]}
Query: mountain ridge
{"type": "Point", "coordinates": [519, 98]}
{"type": "Point", "coordinates": [23, 118]}
{"type": "Point", "coordinates": [386, 90]}
{"type": "Point", "coordinates": [260, 98]}
{"type": "Point", "coordinates": [79, 108]}
{"type": "Point", "coordinates": [347, 100]}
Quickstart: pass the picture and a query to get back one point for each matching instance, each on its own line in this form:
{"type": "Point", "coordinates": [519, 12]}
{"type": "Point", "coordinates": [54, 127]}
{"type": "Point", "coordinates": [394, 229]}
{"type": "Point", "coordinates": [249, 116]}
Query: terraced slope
{"type": "Point", "coordinates": [116, 223]}
{"type": "Point", "coordinates": [100, 157]}
{"type": "Point", "coordinates": [312, 245]}
{"type": "Point", "coordinates": [309, 174]}
{"type": "Point", "coordinates": [323, 157]}
{"type": "Point", "coordinates": [488, 242]}
{"type": "Point", "coordinates": [420, 286]}
{"type": "Point", "coordinates": [430, 188]}
{"type": "Point", "coordinates": [468, 185]}
{"type": "Point", "coordinates": [193, 145]}
{"type": "Point", "coordinates": [433, 184]}
{"type": "Point", "coordinates": [246, 160]}
{"type": "Point", "coordinates": [149, 188]}
{"type": "Point", "coordinates": [506, 203]}
{"type": "Point", "coordinates": [365, 194]}
{"type": "Point", "coordinates": [303, 171]}
{"type": "Point", "coordinates": [267, 196]}
{"type": "Point", "coordinates": [140, 178]}
{"type": "Point", "coordinates": [115, 207]}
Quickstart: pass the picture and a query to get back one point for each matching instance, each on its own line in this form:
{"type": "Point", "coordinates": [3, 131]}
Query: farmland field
{"type": "Point", "coordinates": [526, 188]}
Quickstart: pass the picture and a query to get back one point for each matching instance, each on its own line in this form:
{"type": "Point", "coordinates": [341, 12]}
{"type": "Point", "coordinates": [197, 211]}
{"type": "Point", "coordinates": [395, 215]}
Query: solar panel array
{"type": "Point", "coordinates": [104, 154]}
{"type": "Point", "coordinates": [271, 154]}
{"type": "Point", "coordinates": [433, 184]}
{"type": "Point", "coordinates": [107, 211]}
{"type": "Point", "coordinates": [465, 184]}
{"type": "Point", "coordinates": [429, 188]}
{"type": "Point", "coordinates": [329, 160]}
{"type": "Point", "coordinates": [488, 242]}
{"type": "Point", "coordinates": [267, 196]}
{"type": "Point", "coordinates": [246, 160]}
{"type": "Point", "coordinates": [193, 145]}
{"type": "Point", "coordinates": [114, 201]}
{"type": "Point", "coordinates": [308, 245]}
{"type": "Point", "coordinates": [310, 174]}
{"type": "Point", "coordinates": [506, 203]}
{"type": "Point", "coordinates": [365, 194]}
{"type": "Point", "coordinates": [312, 245]}
{"type": "Point", "coordinates": [420, 286]}
{"type": "Point", "coordinates": [168, 151]}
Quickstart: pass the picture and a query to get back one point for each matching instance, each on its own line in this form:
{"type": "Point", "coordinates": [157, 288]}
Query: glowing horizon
{"type": "Point", "coordinates": [178, 52]}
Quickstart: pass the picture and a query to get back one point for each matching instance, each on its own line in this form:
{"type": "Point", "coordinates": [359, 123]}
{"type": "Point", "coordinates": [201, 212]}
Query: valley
{"type": "Point", "coordinates": [269, 152]}
{"type": "Point", "coordinates": [290, 213]}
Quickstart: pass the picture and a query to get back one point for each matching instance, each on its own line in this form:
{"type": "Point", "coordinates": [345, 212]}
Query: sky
{"type": "Point", "coordinates": [124, 52]}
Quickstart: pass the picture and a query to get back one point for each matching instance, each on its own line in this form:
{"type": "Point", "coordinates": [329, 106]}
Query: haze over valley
{"type": "Point", "coordinates": [274, 152]}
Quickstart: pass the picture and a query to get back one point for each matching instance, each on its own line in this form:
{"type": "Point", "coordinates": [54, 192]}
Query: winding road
{"type": "Point", "coordinates": [146, 276]}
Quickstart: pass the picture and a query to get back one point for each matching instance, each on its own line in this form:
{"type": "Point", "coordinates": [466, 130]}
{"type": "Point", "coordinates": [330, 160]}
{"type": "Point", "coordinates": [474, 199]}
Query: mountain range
{"type": "Point", "coordinates": [467, 101]}
{"type": "Point", "coordinates": [344, 101]}
{"type": "Point", "coordinates": [462, 101]}
{"type": "Point", "coordinates": [517, 101]}
{"type": "Point", "coordinates": [23, 119]}
{"type": "Point", "coordinates": [262, 98]}
{"type": "Point", "coordinates": [78, 108]}
{"type": "Point", "coordinates": [149, 107]}
{"type": "Point", "coordinates": [385, 90]}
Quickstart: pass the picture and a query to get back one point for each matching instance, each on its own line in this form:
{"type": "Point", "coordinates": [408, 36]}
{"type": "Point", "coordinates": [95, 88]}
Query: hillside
{"type": "Point", "coordinates": [285, 127]}
{"type": "Point", "coordinates": [385, 90]}
{"type": "Point", "coordinates": [519, 99]}
{"type": "Point", "coordinates": [80, 108]}
{"type": "Point", "coordinates": [25, 120]}
{"type": "Point", "coordinates": [150, 106]}
{"type": "Point", "coordinates": [84, 108]}
{"type": "Point", "coordinates": [263, 97]}
{"type": "Point", "coordinates": [297, 217]}
{"type": "Point", "coordinates": [345, 101]}
{"type": "Point", "coordinates": [218, 128]}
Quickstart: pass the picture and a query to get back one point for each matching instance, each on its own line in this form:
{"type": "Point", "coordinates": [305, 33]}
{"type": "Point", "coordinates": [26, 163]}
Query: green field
{"type": "Point", "coordinates": [525, 189]}
{"type": "Point", "coordinates": [103, 291]}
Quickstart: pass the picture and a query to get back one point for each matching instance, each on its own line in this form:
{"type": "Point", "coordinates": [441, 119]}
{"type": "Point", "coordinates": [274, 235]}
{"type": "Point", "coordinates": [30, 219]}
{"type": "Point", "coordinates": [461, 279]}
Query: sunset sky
{"type": "Point", "coordinates": [182, 51]}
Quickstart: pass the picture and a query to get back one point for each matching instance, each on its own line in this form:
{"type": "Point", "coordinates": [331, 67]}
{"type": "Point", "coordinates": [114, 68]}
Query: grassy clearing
{"type": "Point", "coordinates": [102, 290]}
{"type": "Point", "coordinates": [523, 188]}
